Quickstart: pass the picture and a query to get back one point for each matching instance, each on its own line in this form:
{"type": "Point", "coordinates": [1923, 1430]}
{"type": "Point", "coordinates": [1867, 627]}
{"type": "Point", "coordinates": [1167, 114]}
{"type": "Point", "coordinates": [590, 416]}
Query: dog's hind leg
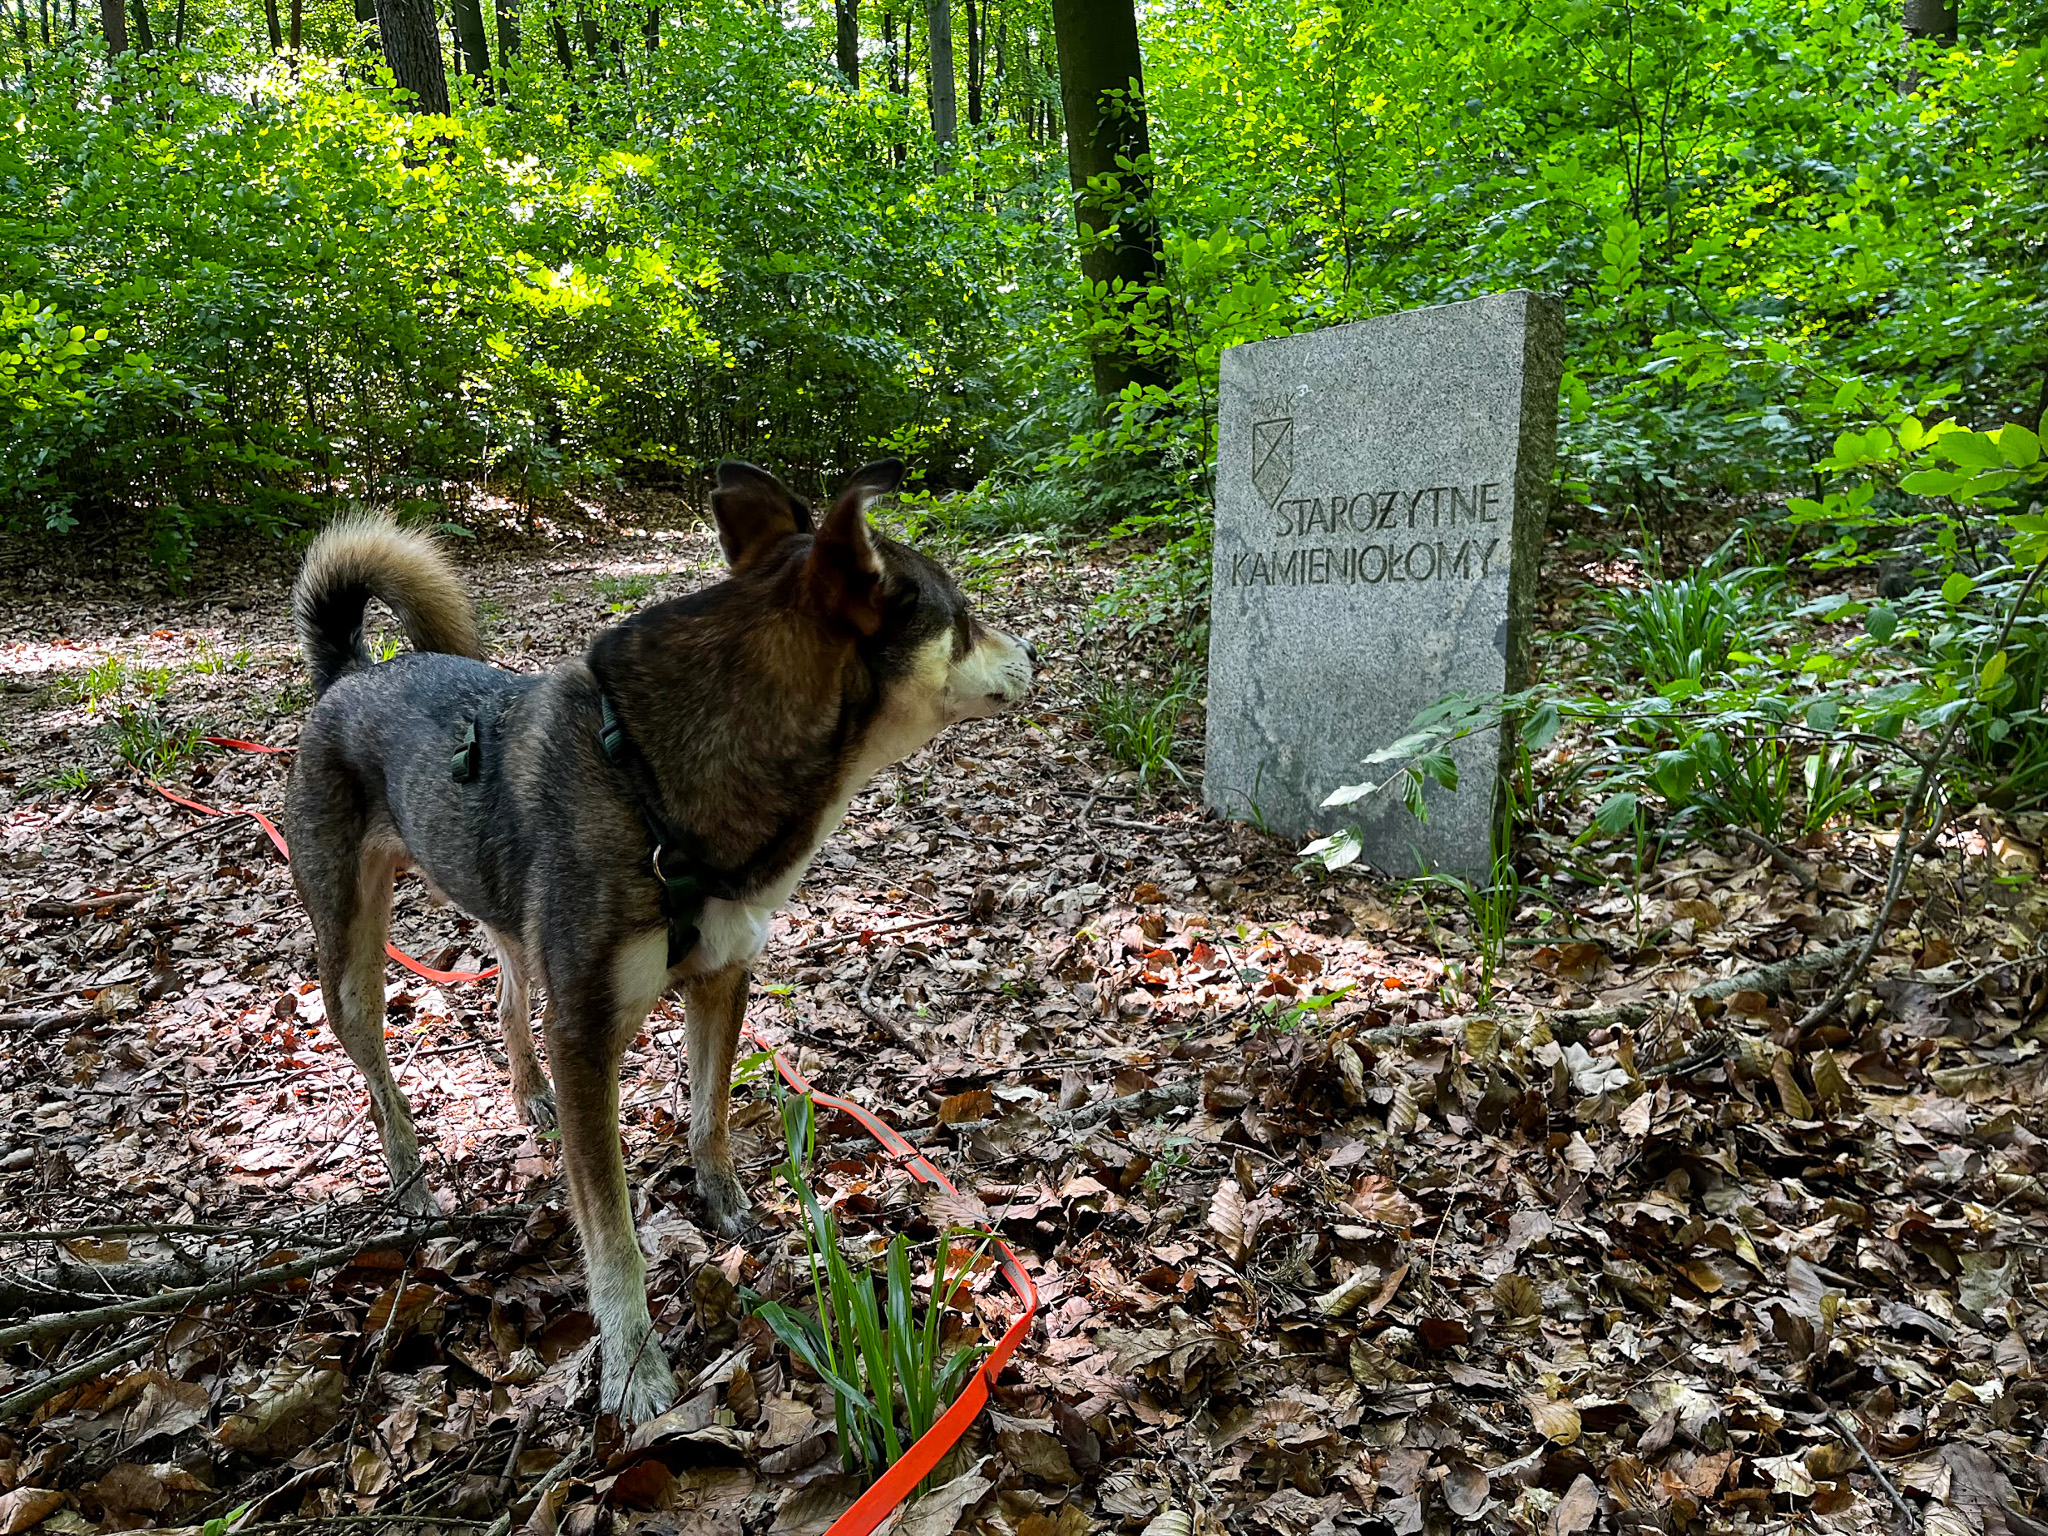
{"type": "Point", "coordinates": [530, 1090]}
{"type": "Point", "coordinates": [716, 1006]}
{"type": "Point", "coordinates": [592, 1014]}
{"type": "Point", "coordinates": [350, 923]}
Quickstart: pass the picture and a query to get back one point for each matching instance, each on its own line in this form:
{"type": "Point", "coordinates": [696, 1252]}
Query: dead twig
{"type": "Point", "coordinates": [210, 824]}
{"type": "Point", "coordinates": [1905, 848]}
{"type": "Point", "coordinates": [1806, 874]}
{"type": "Point", "coordinates": [1906, 1511]}
{"type": "Point", "coordinates": [889, 1026]}
{"type": "Point", "coordinates": [818, 945]}
{"type": "Point", "coordinates": [503, 1524]}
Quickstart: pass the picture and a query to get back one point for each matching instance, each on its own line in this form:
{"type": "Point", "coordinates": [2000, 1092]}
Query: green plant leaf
{"type": "Point", "coordinates": [1882, 623]}
{"type": "Point", "coordinates": [1956, 587]}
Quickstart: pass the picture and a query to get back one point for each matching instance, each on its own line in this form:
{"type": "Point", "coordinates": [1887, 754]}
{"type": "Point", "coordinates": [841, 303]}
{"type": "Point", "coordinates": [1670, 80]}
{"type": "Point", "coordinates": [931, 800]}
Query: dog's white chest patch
{"type": "Point", "coordinates": [731, 933]}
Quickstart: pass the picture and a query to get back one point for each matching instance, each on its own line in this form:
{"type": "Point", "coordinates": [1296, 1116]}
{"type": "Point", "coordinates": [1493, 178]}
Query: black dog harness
{"type": "Point", "coordinates": [686, 882]}
{"type": "Point", "coordinates": [687, 879]}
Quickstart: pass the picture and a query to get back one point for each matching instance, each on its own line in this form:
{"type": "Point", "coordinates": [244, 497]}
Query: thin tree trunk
{"type": "Point", "coordinates": [1002, 101]}
{"type": "Point", "coordinates": [1933, 20]}
{"type": "Point", "coordinates": [650, 28]}
{"type": "Point", "coordinates": [412, 47]}
{"type": "Point", "coordinates": [298, 23]}
{"type": "Point", "coordinates": [178, 28]}
{"type": "Point", "coordinates": [1102, 89]}
{"type": "Point", "coordinates": [846, 16]}
{"type": "Point", "coordinates": [144, 40]}
{"type": "Point", "coordinates": [593, 40]}
{"type": "Point", "coordinates": [563, 55]}
{"type": "Point", "coordinates": [44, 7]}
{"type": "Point", "coordinates": [508, 31]}
{"type": "Point", "coordinates": [977, 61]}
{"type": "Point", "coordinates": [271, 26]}
{"type": "Point", "coordinates": [21, 29]}
{"type": "Point", "coordinates": [474, 48]}
{"type": "Point", "coordinates": [898, 79]}
{"type": "Point", "coordinates": [938, 16]}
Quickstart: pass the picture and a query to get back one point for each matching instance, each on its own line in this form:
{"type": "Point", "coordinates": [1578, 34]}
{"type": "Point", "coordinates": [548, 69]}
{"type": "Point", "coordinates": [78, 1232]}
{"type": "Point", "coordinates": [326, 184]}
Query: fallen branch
{"type": "Point", "coordinates": [51, 908]}
{"type": "Point", "coordinates": [45, 1023]}
{"type": "Point", "coordinates": [52, 1324]}
{"type": "Point", "coordinates": [1146, 1104]}
{"type": "Point", "coordinates": [1782, 977]}
{"type": "Point", "coordinates": [28, 1399]}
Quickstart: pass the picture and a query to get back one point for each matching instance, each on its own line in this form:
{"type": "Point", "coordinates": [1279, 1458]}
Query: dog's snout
{"type": "Point", "coordinates": [1030, 649]}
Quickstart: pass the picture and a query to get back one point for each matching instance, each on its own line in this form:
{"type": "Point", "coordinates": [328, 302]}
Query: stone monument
{"type": "Point", "coordinates": [1380, 495]}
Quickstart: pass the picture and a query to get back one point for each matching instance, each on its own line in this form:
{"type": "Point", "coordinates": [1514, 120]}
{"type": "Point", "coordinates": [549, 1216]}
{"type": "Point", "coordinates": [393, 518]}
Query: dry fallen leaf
{"type": "Point", "coordinates": [1555, 1421]}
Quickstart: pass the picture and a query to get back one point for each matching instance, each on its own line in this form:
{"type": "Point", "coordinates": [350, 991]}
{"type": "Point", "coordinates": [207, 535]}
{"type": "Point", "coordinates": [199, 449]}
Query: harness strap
{"type": "Point", "coordinates": [683, 893]}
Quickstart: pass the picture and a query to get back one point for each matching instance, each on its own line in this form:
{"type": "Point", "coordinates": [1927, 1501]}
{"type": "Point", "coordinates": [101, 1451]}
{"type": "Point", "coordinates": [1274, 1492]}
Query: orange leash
{"type": "Point", "coordinates": [900, 1480]}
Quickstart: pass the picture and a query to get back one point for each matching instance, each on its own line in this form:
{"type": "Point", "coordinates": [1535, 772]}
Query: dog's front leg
{"type": "Point", "coordinates": [588, 1028]}
{"type": "Point", "coordinates": [715, 1006]}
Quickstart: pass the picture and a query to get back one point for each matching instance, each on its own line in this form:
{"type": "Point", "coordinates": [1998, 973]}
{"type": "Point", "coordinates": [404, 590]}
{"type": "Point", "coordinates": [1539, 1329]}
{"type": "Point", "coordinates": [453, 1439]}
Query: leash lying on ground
{"type": "Point", "coordinates": [900, 1480]}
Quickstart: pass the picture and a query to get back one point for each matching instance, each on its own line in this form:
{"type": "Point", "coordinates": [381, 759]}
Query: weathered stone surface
{"type": "Point", "coordinates": [1380, 495]}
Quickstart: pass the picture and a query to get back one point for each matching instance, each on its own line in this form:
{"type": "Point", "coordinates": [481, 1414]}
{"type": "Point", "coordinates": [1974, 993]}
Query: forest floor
{"type": "Point", "coordinates": [1321, 1244]}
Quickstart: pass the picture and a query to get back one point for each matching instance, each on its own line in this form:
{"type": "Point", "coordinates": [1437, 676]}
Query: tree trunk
{"type": "Point", "coordinates": [1003, 108]}
{"type": "Point", "coordinates": [144, 39]}
{"type": "Point", "coordinates": [593, 40]}
{"type": "Point", "coordinates": [1102, 91]}
{"type": "Point", "coordinates": [475, 49]}
{"type": "Point", "coordinates": [977, 62]}
{"type": "Point", "coordinates": [508, 31]}
{"type": "Point", "coordinates": [412, 47]}
{"type": "Point", "coordinates": [271, 26]}
{"type": "Point", "coordinates": [846, 13]}
{"type": "Point", "coordinates": [945, 101]}
{"type": "Point", "coordinates": [650, 28]}
{"type": "Point", "coordinates": [1933, 20]}
{"type": "Point", "coordinates": [114, 23]}
{"type": "Point", "coordinates": [899, 79]}
{"type": "Point", "coordinates": [45, 9]}
{"type": "Point", "coordinates": [178, 26]}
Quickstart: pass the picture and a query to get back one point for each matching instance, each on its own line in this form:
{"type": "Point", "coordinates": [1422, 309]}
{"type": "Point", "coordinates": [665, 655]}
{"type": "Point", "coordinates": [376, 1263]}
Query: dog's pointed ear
{"type": "Point", "coordinates": [755, 512]}
{"type": "Point", "coordinates": [844, 578]}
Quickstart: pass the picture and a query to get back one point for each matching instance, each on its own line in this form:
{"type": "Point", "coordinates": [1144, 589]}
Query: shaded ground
{"type": "Point", "coordinates": [1322, 1245]}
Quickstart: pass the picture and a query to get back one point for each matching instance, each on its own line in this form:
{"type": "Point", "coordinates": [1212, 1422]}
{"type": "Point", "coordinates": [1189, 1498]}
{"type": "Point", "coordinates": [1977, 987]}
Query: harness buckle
{"type": "Point", "coordinates": [468, 760]}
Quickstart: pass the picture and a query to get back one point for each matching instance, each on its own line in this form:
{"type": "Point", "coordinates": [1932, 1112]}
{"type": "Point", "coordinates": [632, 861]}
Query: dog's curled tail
{"type": "Point", "coordinates": [366, 555]}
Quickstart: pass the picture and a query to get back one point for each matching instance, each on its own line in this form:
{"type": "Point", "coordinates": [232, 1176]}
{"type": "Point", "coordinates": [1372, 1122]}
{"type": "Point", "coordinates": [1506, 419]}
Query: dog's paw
{"type": "Point", "coordinates": [726, 1205]}
{"type": "Point", "coordinates": [538, 1109]}
{"type": "Point", "coordinates": [641, 1387]}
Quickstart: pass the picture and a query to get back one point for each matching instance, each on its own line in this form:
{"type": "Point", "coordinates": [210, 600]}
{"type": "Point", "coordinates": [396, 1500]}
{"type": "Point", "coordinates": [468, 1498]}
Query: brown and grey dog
{"type": "Point", "coordinates": [626, 823]}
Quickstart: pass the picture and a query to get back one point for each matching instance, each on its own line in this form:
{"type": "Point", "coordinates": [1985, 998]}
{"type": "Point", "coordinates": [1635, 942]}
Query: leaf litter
{"type": "Point", "coordinates": [1322, 1245]}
